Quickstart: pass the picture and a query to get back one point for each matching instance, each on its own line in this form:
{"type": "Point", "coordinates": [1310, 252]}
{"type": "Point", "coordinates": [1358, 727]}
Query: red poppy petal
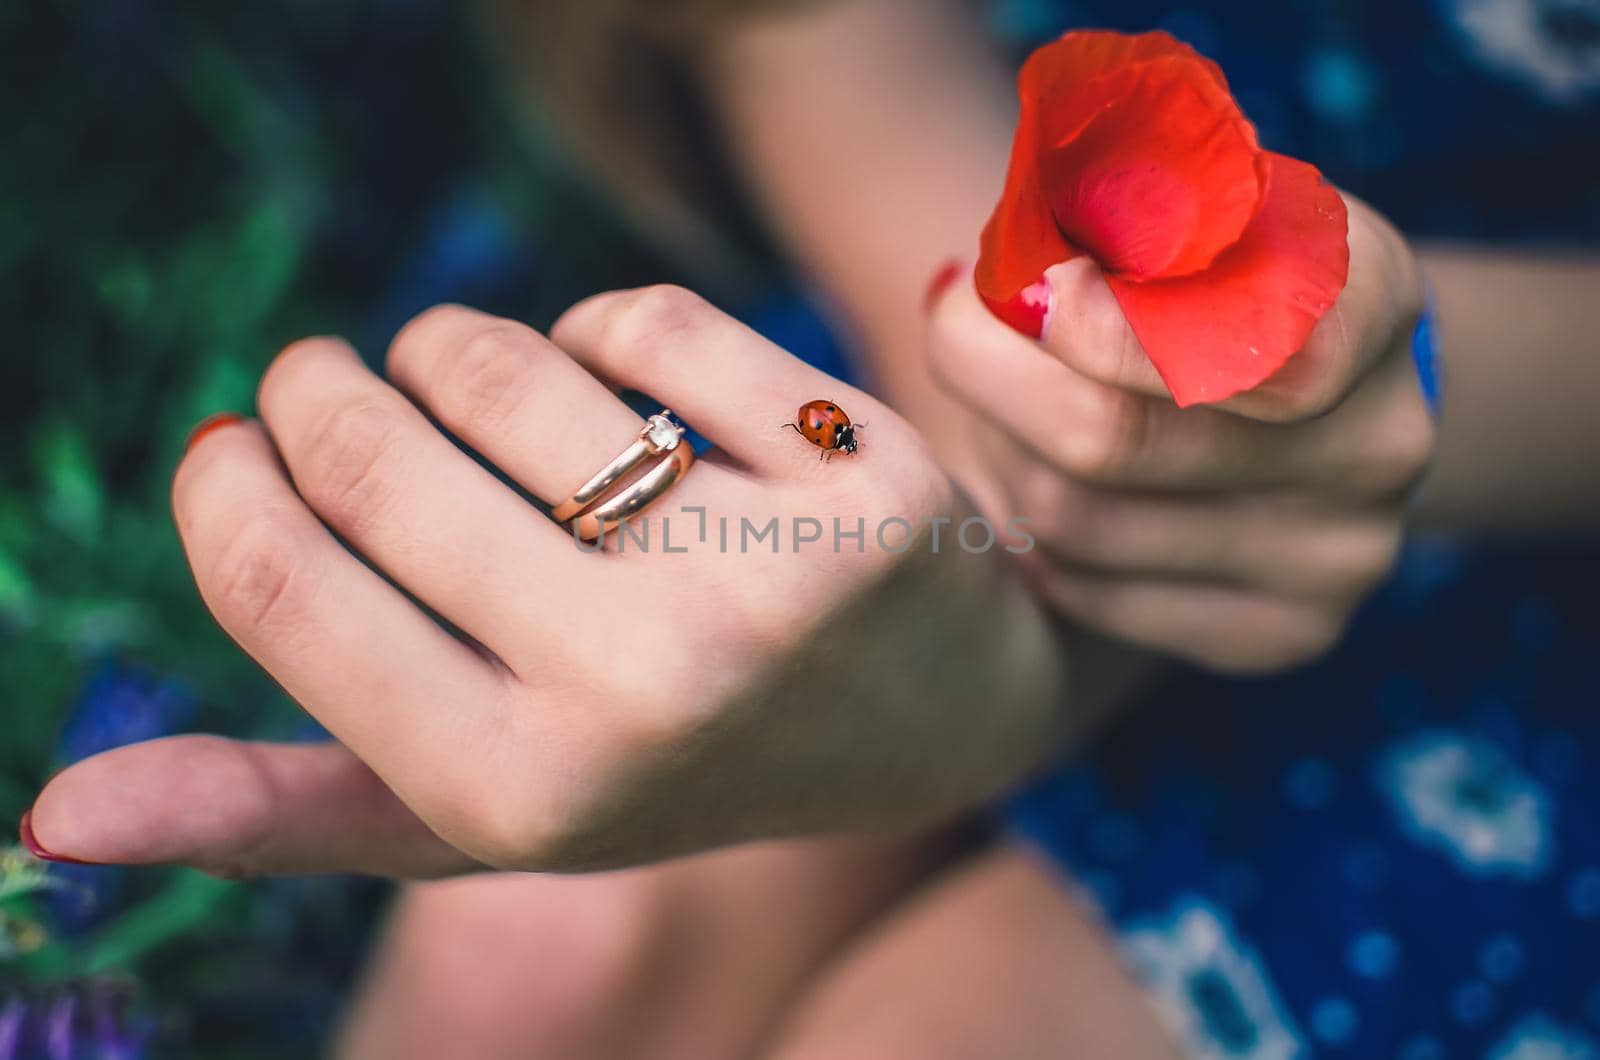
{"type": "Point", "coordinates": [1059, 78]}
{"type": "Point", "coordinates": [1162, 179]}
{"type": "Point", "coordinates": [1225, 330]}
{"type": "Point", "coordinates": [1021, 239]}
{"type": "Point", "coordinates": [1082, 55]}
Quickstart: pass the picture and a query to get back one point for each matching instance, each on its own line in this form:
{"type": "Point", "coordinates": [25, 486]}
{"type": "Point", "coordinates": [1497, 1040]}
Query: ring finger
{"type": "Point", "coordinates": [520, 401]}
{"type": "Point", "coordinates": [376, 472]}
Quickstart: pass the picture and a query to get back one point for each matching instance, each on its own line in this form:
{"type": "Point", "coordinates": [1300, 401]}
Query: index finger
{"type": "Point", "coordinates": [1086, 330]}
{"type": "Point", "coordinates": [421, 708]}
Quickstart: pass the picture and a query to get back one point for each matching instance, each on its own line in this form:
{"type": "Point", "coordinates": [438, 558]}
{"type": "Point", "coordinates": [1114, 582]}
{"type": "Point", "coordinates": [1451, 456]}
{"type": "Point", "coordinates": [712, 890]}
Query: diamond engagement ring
{"type": "Point", "coordinates": [591, 509]}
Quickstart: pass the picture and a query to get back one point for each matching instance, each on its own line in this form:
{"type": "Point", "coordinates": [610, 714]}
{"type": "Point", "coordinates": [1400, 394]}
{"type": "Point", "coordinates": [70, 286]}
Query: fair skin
{"type": "Point", "coordinates": [1238, 536]}
{"type": "Point", "coordinates": [1292, 538]}
{"type": "Point", "coordinates": [897, 195]}
{"type": "Point", "coordinates": [617, 707]}
{"type": "Point", "coordinates": [863, 81]}
{"type": "Point", "coordinates": [692, 959]}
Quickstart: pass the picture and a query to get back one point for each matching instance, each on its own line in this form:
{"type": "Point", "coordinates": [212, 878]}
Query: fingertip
{"type": "Point", "coordinates": [209, 425]}
{"type": "Point", "coordinates": [1086, 329]}
{"type": "Point", "coordinates": [570, 326]}
{"type": "Point", "coordinates": [61, 826]}
{"type": "Point", "coordinates": [31, 843]}
{"type": "Point", "coordinates": [242, 438]}
{"type": "Point", "coordinates": [157, 802]}
{"type": "Point", "coordinates": [201, 443]}
{"type": "Point", "coordinates": [306, 361]}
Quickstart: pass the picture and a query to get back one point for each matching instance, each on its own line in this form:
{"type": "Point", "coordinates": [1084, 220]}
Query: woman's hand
{"type": "Point", "coordinates": [612, 707]}
{"type": "Point", "coordinates": [1238, 536]}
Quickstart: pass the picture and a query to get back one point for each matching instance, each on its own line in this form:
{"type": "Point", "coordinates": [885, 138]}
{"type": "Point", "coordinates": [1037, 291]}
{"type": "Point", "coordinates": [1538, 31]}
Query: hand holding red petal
{"type": "Point", "coordinates": [1131, 151]}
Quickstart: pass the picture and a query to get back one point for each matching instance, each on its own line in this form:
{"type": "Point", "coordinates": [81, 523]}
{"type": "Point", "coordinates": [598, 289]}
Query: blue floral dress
{"type": "Point", "coordinates": [1394, 853]}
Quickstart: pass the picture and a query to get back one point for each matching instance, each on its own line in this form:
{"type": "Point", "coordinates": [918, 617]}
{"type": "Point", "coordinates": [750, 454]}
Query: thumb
{"type": "Point", "coordinates": [234, 808]}
{"type": "Point", "coordinates": [1084, 328]}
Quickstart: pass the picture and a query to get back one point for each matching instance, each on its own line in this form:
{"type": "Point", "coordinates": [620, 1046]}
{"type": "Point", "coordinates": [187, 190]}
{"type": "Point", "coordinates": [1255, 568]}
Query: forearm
{"type": "Point", "coordinates": [875, 134]}
{"type": "Point", "coordinates": [1521, 371]}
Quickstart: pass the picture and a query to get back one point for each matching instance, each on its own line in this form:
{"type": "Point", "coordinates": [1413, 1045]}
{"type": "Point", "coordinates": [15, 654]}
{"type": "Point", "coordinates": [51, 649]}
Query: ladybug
{"type": "Point", "coordinates": [825, 425]}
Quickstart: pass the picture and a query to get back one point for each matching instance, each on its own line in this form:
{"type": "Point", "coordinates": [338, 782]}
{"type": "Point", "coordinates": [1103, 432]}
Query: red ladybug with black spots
{"type": "Point", "coordinates": [825, 425]}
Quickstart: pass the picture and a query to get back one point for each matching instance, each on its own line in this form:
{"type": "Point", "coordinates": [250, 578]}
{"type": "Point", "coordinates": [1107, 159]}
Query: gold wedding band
{"type": "Point", "coordinates": [638, 495]}
{"type": "Point", "coordinates": [590, 511]}
{"type": "Point", "coordinates": [658, 435]}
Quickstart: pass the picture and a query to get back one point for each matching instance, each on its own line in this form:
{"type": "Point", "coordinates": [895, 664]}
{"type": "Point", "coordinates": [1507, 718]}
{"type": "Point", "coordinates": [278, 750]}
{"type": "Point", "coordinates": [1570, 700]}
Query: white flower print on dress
{"type": "Point", "coordinates": [1538, 1038]}
{"type": "Point", "coordinates": [1551, 45]}
{"type": "Point", "coordinates": [1465, 796]}
{"type": "Point", "coordinates": [1210, 989]}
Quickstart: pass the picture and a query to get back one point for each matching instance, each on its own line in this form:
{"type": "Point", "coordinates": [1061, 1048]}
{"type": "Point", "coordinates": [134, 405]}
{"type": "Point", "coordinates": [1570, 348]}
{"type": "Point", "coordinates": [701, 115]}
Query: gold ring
{"type": "Point", "coordinates": [658, 435]}
{"type": "Point", "coordinates": [636, 496]}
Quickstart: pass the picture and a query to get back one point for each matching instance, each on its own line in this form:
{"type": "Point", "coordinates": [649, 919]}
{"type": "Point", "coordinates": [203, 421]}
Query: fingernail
{"type": "Point", "coordinates": [1029, 311]}
{"type": "Point", "coordinates": [31, 841]}
{"type": "Point", "coordinates": [947, 274]}
{"type": "Point", "coordinates": [209, 424]}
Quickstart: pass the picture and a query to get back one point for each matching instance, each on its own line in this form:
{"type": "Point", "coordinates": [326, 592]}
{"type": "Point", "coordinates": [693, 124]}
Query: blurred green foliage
{"type": "Point", "coordinates": [184, 188]}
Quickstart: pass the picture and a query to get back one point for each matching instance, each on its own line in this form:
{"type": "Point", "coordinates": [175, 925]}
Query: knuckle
{"type": "Point", "coordinates": [1402, 448]}
{"type": "Point", "coordinates": [1038, 495]}
{"type": "Point", "coordinates": [1309, 639]}
{"type": "Point", "coordinates": [1088, 600]}
{"type": "Point", "coordinates": [1318, 393]}
{"type": "Point", "coordinates": [535, 799]}
{"type": "Point", "coordinates": [635, 329]}
{"type": "Point", "coordinates": [1340, 566]}
{"type": "Point", "coordinates": [1415, 434]}
{"type": "Point", "coordinates": [488, 378]}
{"type": "Point", "coordinates": [1106, 444]}
{"type": "Point", "coordinates": [257, 580]}
{"type": "Point", "coordinates": [256, 793]}
{"type": "Point", "coordinates": [1320, 396]}
{"type": "Point", "coordinates": [915, 487]}
{"type": "Point", "coordinates": [1072, 516]}
{"type": "Point", "coordinates": [1109, 352]}
{"type": "Point", "coordinates": [504, 825]}
{"type": "Point", "coordinates": [1364, 559]}
{"type": "Point", "coordinates": [343, 473]}
{"type": "Point", "coordinates": [1311, 390]}
{"type": "Point", "coordinates": [1293, 643]}
{"type": "Point", "coordinates": [1372, 555]}
{"type": "Point", "coordinates": [549, 828]}
{"type": "Point", "coordinates": [513, 833]}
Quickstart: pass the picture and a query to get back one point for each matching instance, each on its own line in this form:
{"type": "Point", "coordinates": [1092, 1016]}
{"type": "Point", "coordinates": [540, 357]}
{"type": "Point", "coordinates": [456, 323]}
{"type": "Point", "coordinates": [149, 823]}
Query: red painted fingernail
{"type": "Point", "coordinates": [948, 274]}
{"type": "Point", "coordinates": [209, 424]}
{"type": "Point", "coordinates": [1029, 311]}
{"type": "Point", "coordinates": [31, 841]}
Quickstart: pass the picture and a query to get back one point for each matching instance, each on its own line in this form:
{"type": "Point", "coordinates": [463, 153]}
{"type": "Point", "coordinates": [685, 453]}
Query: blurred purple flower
{"type": "Point", "coordinates": [58, 1036]}
{"type": "Point", "coordinates": [11, 1021]}
{"type": "Point", "coordinates": [118, 705]}
{"type": "Point", "coordinates": [84, 898]}
{"type": "Point", "coordinates": [121, 705]}
{"type": "Point", "coordinates": [79, 1021]}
